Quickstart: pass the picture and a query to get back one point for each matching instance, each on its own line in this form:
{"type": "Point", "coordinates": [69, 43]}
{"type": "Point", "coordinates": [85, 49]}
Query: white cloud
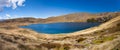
{"type": "Point", "coordinates": [11, 3]}
{"type": "Point", "coordinates": [1, 17]}
{"type": "Point", "coordinates": [7, 16]}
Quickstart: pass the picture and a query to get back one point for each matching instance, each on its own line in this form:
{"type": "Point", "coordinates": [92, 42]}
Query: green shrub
{"type": "Point", "coordinates": [118, 24]}
{"type": "Point", "coordinates": [103, 39]}
{"type": "Point", "coordinates": [66, 48]}
{"type": "Point", "coordinates": [80, 39]}
{"type": "Point", "coordinates": [91, 20]}
{"type": "Point", "coordinates": [22, 47]}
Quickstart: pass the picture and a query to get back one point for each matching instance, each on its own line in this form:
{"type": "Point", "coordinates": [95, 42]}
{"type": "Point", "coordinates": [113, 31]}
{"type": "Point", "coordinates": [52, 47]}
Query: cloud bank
{"type": "Point", "coordinates": [11, 3]}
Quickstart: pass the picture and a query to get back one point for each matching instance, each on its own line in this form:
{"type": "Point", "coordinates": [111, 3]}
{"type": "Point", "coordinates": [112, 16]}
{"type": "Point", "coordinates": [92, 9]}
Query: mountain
{"type": "Point", "coordinates": [80, 17]}
{"type": "Point", "coordinates": [106, 36]}
{"type": "Point", "coordinates": [75, 17]}
{"type": "Point", "coordinates": [2, 19]}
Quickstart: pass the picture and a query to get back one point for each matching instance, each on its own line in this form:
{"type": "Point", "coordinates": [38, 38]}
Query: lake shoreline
{"type": "Point", "coordinates": [108, 33]}
{"type": "Point", "coordinates": [61, 27]}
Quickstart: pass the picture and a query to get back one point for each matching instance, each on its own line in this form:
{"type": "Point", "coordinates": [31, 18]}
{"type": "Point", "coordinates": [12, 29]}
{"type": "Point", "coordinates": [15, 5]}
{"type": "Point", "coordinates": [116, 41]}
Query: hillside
{"type": "Point", "coordinates": [75, 17]}
{"type": "Point", "coordinates": [103, 37]}
{"type": "Point", "coordinates": [81, 17]}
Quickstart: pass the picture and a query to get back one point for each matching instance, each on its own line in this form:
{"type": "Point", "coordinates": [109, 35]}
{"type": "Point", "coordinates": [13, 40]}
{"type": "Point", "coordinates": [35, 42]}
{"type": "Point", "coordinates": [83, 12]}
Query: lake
{"type": "Point", "coordinates": [58, 28]}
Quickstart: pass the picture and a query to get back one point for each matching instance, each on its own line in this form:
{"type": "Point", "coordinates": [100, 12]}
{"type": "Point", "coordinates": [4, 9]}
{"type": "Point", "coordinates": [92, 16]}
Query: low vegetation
{"type": "Point", "coordinates": [24, 31]}
{"type": "Point", "coordinates": [103, 39]}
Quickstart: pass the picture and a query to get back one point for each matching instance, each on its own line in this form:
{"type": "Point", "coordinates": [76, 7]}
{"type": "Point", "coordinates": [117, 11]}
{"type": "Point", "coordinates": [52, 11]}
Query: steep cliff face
{"type": "Point", "coordinates": [103, 37]}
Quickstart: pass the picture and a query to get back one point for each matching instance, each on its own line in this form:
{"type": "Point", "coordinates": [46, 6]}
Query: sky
{"type": "Point", "coordinates": [48, 8]}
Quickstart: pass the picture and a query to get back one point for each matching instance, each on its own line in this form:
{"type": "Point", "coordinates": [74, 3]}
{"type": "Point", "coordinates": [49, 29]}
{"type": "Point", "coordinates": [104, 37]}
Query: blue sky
{"type": "Point", "coordinates": [48, 8]}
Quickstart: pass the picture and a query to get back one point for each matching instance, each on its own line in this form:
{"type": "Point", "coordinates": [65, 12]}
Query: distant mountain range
{"type": "Point", "coordinates": [80, 17]}
{"type": "Point", "coordinates": [2, 19]}
{"type": "Point", "coordinates": [75, 17]}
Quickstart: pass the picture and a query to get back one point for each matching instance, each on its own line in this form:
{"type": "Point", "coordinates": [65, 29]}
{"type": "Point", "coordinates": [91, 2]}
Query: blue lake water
{"type": "Point", "coordinates": [58, 28]}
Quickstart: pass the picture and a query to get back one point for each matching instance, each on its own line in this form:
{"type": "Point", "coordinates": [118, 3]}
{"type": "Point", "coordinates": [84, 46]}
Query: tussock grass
{"type": "Point", "coordinates": [103, 39]}
{"type": "Point", "coordinates": [24, 31]}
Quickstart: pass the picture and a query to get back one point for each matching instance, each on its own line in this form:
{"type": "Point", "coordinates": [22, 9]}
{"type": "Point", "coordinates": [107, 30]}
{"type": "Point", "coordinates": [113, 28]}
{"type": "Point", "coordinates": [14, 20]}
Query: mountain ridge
{"type": "Point", "coordinates": [75, 17]}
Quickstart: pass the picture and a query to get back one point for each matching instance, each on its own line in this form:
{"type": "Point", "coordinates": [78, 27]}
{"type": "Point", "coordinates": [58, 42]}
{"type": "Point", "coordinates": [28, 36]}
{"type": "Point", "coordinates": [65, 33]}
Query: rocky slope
{"type": "Point", "coordinates": [103, 37]}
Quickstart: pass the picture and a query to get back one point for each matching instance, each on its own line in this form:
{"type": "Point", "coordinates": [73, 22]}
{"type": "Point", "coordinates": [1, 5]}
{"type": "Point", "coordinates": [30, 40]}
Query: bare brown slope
{"type": "Point", "coordinates": [76, 17]}
{"type": "Point", "coordinates": [79, 17]}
